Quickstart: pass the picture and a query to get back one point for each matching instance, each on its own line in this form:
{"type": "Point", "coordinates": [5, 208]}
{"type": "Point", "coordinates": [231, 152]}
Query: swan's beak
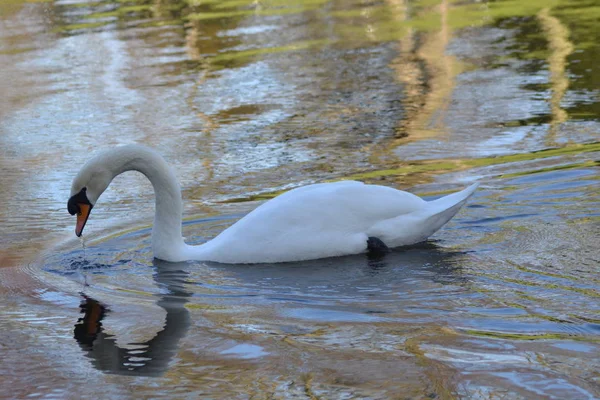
{"type": "Point", "coordinates": [82, 217]}
{"type": "Point", "coordinates": [80, 205]}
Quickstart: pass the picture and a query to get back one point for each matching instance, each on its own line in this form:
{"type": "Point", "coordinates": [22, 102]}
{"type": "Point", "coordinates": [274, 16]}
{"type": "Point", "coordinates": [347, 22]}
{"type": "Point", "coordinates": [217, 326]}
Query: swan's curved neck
{"type": "Point", "coordinates": [167, 241]}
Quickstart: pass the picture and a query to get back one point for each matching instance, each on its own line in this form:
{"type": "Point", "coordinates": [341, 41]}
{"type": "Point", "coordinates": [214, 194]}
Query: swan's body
{"type": "Point", "coordinates": [310, 222]}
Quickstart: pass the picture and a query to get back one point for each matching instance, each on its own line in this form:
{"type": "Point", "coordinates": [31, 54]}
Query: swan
{"type": "Point", "coordinates": [310, 222]}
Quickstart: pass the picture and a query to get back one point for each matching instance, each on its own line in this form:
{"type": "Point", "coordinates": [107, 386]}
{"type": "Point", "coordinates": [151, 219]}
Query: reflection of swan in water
{"type": "Point", "coordinates": [306, 223]}
{"type": "Point", "coordinates": [358, 283]}
{"type": "Point", "coordinates": [395, 273]}
{"type": "Point", "coordinates": [149, 358]}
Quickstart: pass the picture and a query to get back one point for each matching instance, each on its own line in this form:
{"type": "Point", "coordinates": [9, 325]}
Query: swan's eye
{"type": "Point", "coordinates": [75, 200]}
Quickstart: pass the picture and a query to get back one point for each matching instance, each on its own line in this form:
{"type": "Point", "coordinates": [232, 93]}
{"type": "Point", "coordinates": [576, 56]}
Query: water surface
{"type": "Point", "coordinates": [247, 99]}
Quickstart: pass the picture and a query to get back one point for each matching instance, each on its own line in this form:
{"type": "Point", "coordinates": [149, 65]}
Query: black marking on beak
{"type": "Point", "coordinates": [76, 199]}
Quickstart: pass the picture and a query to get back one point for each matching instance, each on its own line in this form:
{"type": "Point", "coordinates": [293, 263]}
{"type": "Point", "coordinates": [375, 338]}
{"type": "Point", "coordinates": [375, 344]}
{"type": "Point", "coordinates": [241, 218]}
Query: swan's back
{"type": "Point", "coordinates": [340, 206]}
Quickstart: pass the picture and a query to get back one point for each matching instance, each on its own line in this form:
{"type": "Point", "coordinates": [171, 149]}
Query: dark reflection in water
{"type": "Point", "coordinates": [150, 358]}
{"type": "Point", "coordinates": [428, 259]}
{"type": "Point", "coordinates": [88, 327]}
{"type": "Point", "coordinates": [350, 282]}
{"type": "Point", "coordinates": [318, 282]}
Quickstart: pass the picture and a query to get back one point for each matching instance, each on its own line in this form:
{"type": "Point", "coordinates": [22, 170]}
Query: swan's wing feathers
{"type": "Point", "coordinates": [350, 199]}
{"type": "Point", "coordinates": [332, 209]}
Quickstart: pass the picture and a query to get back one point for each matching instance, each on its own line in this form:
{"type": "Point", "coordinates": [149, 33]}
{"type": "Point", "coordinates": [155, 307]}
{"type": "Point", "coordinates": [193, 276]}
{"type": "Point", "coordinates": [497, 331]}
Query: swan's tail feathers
{"type": "Point", "coordinates": [455, 198]}
{"type": "Point", "coordinates": [443, 209]}
{"type": "Point", "coordinates": [418, 225]}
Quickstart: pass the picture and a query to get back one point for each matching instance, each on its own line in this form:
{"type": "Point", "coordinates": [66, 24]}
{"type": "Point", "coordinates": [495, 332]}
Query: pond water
{"type": "Point", "coordinates": [249, 98]}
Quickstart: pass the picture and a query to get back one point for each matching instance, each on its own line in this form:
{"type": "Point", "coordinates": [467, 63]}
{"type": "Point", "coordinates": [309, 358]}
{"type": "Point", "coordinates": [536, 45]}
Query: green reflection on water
{"type": "Point", "coordinates": [357, 23]}
{"type": "Point", "coordinates": [237, 55]}
{"type": "Point", "coordinates": [523, 336]}
{"type": "Point", "coordinates": [120, 11]}
{"type": "Point", "coordinates": [242, 8]}
{"type": "Point", "coordinates": [584, 164]}
{"type": "Point", "coordinates": [455, 165]}
{"type": "Point", "coordinates": [10, 7]}
{"type": "Point", "coordinates": [427, 168]}
{"type": "Point", "coordinates": [77, 27]}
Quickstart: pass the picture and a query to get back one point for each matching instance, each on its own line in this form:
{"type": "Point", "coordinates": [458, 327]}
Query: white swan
{"type": "Point", "coordinates": [310, 222]}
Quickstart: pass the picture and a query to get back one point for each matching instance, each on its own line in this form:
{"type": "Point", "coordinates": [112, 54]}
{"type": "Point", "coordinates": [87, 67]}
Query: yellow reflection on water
{"type": "Point", "coordinates": [428, 72]}
{"type": "Point", "coordinates": [560, 49]}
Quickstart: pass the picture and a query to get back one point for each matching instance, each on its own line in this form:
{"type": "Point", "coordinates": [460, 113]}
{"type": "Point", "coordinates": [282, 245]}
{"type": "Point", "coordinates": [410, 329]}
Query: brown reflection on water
{"type": "Point", "coordinates": [428, 71]}
{"type": "Point", "coordinates": [560, 48]}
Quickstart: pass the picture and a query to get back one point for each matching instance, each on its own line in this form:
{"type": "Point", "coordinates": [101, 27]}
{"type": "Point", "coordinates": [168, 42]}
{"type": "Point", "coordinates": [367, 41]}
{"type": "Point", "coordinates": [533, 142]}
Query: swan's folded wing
{"type": "Point", "coordinates": [345, 201]}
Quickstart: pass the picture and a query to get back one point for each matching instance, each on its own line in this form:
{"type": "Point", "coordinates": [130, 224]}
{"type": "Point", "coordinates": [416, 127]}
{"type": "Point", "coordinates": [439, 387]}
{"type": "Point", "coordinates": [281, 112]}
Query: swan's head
{"type": "Point", "coordinates": [88, 185]}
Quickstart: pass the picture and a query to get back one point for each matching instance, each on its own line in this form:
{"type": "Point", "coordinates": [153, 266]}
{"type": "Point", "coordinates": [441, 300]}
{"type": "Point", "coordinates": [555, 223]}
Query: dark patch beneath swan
{"type": "Point", "coordinates": [376, 247]}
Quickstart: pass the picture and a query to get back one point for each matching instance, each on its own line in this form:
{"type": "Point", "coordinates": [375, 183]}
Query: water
{"type": "Point", "coordinates": [246, 99]}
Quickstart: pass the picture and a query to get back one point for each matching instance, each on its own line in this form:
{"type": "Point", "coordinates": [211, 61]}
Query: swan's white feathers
{"type": "Point", "coordinates": [326, 220]}
{"type": "Point", "coordinates": [314, 221]}
{"type": "Point", "coordinates": [342, 207]}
